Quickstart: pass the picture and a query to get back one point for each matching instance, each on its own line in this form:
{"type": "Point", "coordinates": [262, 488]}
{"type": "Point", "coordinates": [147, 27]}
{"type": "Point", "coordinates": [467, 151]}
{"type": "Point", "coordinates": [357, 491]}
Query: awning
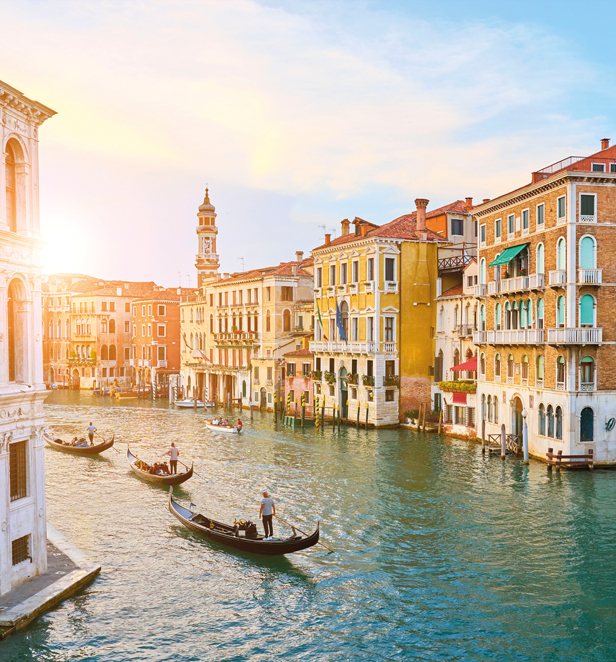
{"type": "Point", "coordinates": [459, 398]}
{"type": "Point", "coordinates": [471, 364]}
{"type": "Point", "coordinates": [507, 255]}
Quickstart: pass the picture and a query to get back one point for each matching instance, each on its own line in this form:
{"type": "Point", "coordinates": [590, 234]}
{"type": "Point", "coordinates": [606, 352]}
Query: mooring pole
{"type": "Point", "coordinates": [367, 407]}
{"type": "Point", "coordinates": [358, 413]}
{"type": "Point", "coordinates": [503, 442]}
{"type": "Point", "coordinates": [323, 414]}
{"type": "Point", "coordinates": [440, 422]}
{"type": "Point", "coordinates": [195, 397]}
{"type": "Point", "coordinates": [303, 409]}
{"type": "Point", "coordinates": [483, 436]}
{"type": "Point", "coordinates": [525, 435]}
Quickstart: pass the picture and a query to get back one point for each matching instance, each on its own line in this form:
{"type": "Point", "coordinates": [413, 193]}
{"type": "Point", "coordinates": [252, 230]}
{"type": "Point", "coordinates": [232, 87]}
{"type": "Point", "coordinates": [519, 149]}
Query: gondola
{"type": "Point", "coordinates": [56, 442]}
{"type": "Point", "coordinates": [229, 429]}
{"type": "Point", "coordinates": [175, 479]}
{"type": "Point", "coordinates": [188, 404]}
{"type": "Point", "coordinates": [233, 537]}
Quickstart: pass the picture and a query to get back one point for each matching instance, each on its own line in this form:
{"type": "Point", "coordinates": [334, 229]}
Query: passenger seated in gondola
{"type": "Point", "coordinates": [224, 421]}
{"type": "Point", "coordinates": [215, 421]}
{"type": "Point", "coordinates": [73, 442]}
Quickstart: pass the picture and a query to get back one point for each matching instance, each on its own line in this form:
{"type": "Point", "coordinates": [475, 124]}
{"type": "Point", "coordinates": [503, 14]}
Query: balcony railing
{"type": "Point", "coordinates": [536, 281]}
{"type": "Point", "coordinates": [369, 285]}
{"type": "Point", "coordinates": [465, 330]}
{"type": "Point", "coordinates": [351, 347]}
{"type": "Point", "coordinates": [514, 337]}
{"type": "Point", "coordinates": [538, 383]}
{"type": "Point", "coordinates": [590, 276]}
{"type": "Point", "coordinates": [494, 287]}
{"type": "Point", "coordinates": [588, 218]}
{"type": "Point", "coordinates": [515, 284]}
{"type": "Point", "coordinates": [353, 288]}
{"type": "Point", "coordinates": [162, 364]}
{"type": "Point", "coordinates": [389, 347]}
{"type": "Point", "coordinates": [558, 278]}
{"type": "Point", "coordinates": [391, 285]}
{"type": "Point", "coordinates": [480, 337]}
{"type": "Point", "coordinates": [481, 290]}
{"type": "Point", "coordinates": [587, 386]}
{"type": "Point", "coordinates": [575, 336]}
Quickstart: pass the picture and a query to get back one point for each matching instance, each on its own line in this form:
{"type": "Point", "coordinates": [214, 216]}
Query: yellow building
{"type": "Point", "coordinates": [374, 290]}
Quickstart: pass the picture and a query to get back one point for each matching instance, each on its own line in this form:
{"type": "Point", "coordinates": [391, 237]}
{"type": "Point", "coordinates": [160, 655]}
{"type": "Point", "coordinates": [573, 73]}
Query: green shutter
{"type": "Point", "coordinates": [587, 205]}
{"type": "Point", "coordinates": [587, 253]}
{"type": "Point", "coordinates": [587, 305]}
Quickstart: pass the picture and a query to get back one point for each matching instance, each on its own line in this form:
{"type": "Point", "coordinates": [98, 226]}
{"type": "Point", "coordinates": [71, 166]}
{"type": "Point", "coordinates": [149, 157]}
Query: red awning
{"type": "Point", "coordinates": [471, 364]}
{"type": "Point", "coordinates": [459, 398]}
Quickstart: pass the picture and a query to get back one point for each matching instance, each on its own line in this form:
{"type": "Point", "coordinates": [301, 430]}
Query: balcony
{"type": "Point", "coordinates": [342, 289]}
{"type": "Point", "coordinates": [353, 288]}
{"type": "Point", "coordinates": [512, 337]}
{"type": "Point", "coordinates": [538, 383]}
{"type": "Point", "coordinates": [558, 278]}
{"type": "Point", "coordinates": [590, 276]}
{"type": "Point", "coordinates": [587, 387]}
{"type": "Point", "coordinates": [331, 290]}
{"type": "Point", "coordinates": [465, 330]}
{"type": "Point", "coordinates": [536, 281]}
{"type": "Point", "coordinates": [391, 286]}
{"type": "Point", "coordinates": [515, 284]}
{"type": "Point", "coordinates": [494, 287]}
{"type": "Point", "coordinates": [480, 337]}
{"type": "Point", "coordinates": [369, 287]}
{"type": "Point", "coordinates": [331, 347]}
{"type": "Point", "coordinates": [575, 336]}
{"type": "Point", "coordinates": [588, 218]}
{"type": "Point", "coordinates": [162, 364]}
{"type": "Point", "coordinates": [132, 363]}
{"type": "Point", "coordinates": [389, 347]}
{"type": "Point", "coordinates": [481, 290]}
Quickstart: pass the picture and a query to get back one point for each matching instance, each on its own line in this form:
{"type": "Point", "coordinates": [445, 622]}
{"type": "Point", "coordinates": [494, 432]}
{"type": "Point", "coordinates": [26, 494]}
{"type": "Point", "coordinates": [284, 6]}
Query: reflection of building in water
{"type": "Point", "coordinates": [23, 536]}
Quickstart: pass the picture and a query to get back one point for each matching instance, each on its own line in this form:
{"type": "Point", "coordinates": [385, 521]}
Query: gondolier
{"type": "Point", "coordinates": [173, 454]}
{"type": "Point", "coordinates": [267, 511]}
{"type": "Point", "coordinates": [91, 431]}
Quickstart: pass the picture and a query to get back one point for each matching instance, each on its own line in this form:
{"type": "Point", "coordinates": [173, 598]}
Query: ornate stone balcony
{"type": "Point", "coordinates": [575, 336]}
{"type": "Point", "coordinates": [558, 278]}
{"type": "Point", "coordinates": [590, 276]}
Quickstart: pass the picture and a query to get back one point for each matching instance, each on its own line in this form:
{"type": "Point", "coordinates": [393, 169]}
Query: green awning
{"type": "Point", "coordinates": [507, 255]}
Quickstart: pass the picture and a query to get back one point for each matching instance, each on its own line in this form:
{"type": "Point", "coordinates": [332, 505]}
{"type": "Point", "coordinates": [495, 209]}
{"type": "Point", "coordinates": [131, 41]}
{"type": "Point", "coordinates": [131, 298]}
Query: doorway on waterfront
{"type": "Point", "coordinates": [76, 378]}
{"type": "Point", "coordinates": [344, 393]}
{"type": "Point", "coordinates": [517, 421]}
{"type": "Point", "coordinates": [52, 376]}
{"type": "Point", "coordinates": [263, 399]}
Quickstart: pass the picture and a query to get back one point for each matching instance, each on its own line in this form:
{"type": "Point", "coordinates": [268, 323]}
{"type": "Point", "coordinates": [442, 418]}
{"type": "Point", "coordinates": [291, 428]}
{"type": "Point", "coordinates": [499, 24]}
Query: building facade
{"type": "Point", "coordinates": [546, 290]}
{"type": "Point", "coordinates": [23, 535]}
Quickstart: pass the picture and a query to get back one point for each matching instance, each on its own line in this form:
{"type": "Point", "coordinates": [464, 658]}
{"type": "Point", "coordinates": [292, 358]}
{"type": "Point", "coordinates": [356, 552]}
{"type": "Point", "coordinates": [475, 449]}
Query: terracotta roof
{"type": "Point", "coordinates": [169, 294]}
{"type": "Point", "coordinates": [403, 227]}
{"type": "Point", "coordinates": [455, 291]}
{"type": "Point", "coordinates": [283, 269]}
{"type": "Point", "coordinates": [300, 352]}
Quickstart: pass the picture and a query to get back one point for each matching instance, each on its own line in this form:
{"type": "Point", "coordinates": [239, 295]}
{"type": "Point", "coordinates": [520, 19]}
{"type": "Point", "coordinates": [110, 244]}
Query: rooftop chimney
{"type": "Point", "coordinates": [421, 203]}
{"type": "Point", "coordinates": [295, 270]}
{"type": "Point", "coordinates": [328, 239]}
{"type": "Point", "coordinates": [605, 143]}
{"type": "Point", "coordinates": [363, 229]}
{"type": "Point", "coordinates": [299, 256]}
{"type": "Point", "coordinates": [469, 204]}
{"type": "Point", "coordinates": [345, 226]}
{"type": "Point", "coordinates": [486, 200]}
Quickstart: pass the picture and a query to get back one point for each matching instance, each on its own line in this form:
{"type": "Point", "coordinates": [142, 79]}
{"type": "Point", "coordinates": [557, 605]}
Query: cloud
{"type": "Point", "coordinates": [156, 98]}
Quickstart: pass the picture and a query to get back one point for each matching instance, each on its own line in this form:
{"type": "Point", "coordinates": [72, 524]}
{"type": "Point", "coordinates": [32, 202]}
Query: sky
{"type": "Point", "coordinates": [295, 114]}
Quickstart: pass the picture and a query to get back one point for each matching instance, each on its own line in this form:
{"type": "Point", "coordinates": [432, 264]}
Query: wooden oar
{"type": "Point", "coordinates": [103, 438]}
{"type": "Point", "coordinates": [296, 527]}
{"type": "Point", "coordinates": [185, 465]}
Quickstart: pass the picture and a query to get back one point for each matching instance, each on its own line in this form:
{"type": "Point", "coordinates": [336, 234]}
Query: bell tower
{"type": "Point", "coordinates": [207, 262]}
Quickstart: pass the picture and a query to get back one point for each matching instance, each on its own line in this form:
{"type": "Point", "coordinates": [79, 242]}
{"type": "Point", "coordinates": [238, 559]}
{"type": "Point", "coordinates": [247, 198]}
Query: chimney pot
{"type": "Point", "coordinates": [345, 226]}
{"type": "Point", "coordinates": [605, 143]}
{"type": "Point", "coordinates": [299, 256]}
{"type": "Point", "coordinates": [363, 229]}
{"type": "Point", "coordinates": [328, 239]}
{"type": "Point", "coordinates": [421, 204]}
{"type": "Point", "coordinates": [486, 200]}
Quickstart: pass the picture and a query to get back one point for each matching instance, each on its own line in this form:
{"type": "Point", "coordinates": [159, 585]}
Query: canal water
{"type": "Point", "coordinates": [441, 553]}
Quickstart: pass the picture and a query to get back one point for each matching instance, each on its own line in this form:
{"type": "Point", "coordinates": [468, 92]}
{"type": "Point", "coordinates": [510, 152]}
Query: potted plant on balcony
{"type": "Point", "coordinates": [352, 378]}
{"type": "Point", "coordinates": [235, 330]}
{"type": "Point", "coordinates": [316, 374]}
{"type": "Point", "coordinates": [460, 386]}
{"type": "Point", "coordinates": [411, 416]}
{"type": "Point", "coordinates": [367, 380]}
{"type": "Point", "coordinates": [391, 380]}
{"type": "Point", "coordinates": [330, 377]}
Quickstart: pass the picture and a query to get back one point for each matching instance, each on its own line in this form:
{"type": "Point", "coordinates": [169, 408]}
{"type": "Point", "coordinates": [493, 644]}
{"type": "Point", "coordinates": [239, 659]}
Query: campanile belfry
{"type": "Point", "coordinates": [207, 262]}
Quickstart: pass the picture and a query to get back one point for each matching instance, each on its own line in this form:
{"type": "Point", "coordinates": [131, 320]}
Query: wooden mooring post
{"type": "Point", "coordinates": [440, 422]}
{"type": "Point", "coordinates": [503, 442]}
{"type": "Point", "coordinates": [483, 436]}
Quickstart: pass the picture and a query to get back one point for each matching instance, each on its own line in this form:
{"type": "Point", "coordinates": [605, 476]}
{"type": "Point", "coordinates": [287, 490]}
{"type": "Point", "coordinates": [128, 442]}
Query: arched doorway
{"type": "Point", "coordinates": [76, 378]}
{"type": "Point", "coordinates": [263, 399]}
{"type": "Point", "coordinates": [344, 393]}
{"type": "Point", "coordinates": [52, 376]}
{"type": "Point", "coordinates": [517, 421]}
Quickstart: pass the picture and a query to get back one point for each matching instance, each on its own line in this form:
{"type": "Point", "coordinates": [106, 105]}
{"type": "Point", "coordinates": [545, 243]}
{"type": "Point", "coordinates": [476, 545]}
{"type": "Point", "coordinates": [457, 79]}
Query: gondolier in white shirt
{"type": "Point", "coordinates": [268, 510]}
{"type": "Point", "coordinates": [173, 454]}
{"type": "Point", "coordinates": [91, 431]}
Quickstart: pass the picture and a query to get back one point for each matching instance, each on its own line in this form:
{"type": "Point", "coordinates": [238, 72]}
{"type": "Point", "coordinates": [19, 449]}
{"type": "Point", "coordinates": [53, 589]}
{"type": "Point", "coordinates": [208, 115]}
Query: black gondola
{"type": "Point", "coordinates": [175, 479]}
{"type": "Point", "coordinates": [56, 442]}
{"type": "Point", "coordinates": [230, 535]}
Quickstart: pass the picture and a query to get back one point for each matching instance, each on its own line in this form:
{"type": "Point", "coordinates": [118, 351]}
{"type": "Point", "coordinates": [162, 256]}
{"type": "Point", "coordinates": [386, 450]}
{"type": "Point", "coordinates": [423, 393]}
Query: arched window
{"type": "Point", "coordinates": [560, 312]}
{"type": "Point", "coordinates": [507, 315]}
{"type": "Point", "coordinates": [587, 432]}
{"type": "Point", "coordinates": [490, 408]}
{"type": "Point", "coordinates": [212, 323]}
{"type": "Point", "coordinates": [540, 368]}
{"type": "Point", "coordinates": [67, 329]}
{"type": "Point", "coordinates": [344, 315]}
{"type": "Point", "coordinates": [587, 310]}
{"type": "Point", "coordinates": [588, 253]}
{"type": "Point", "coordinates": [529, 314]}
{"type": "Point", "coordinates": [482, 271]}
{"type": "Point", "coordinates": [482, 318]}
{"type": "Point", "coordinates": [482, 364]}
{"type": "Point", "coordinates": [561, 254]}
{"type": "Point", "coordinates": [104, 326]}
{"type": "Point", "coordinates": [560, 373]}
{"type": "Point", "coordinates": [483, 406]}
{"type": "Point", "coordinates": [497, 269]}
{"type": "Point", "coordinates": [267, 321]}
{"type": "Point", "coordinates": [587, 373]}
{"type": "Point", "coordinates": [540, 259]}
{"type": "Point", "coordinates": [510, 366]}
{"type": "Point", "coordinates": [497, 317]}
{"type": "Point", "coordinates": [17, 325]}
{"type": "Point", "coordinates": [11, 193]}
{"type": "Point", "coordinates": [104, 353]}
{"type": "Point", "coordinates": [59, 330]}
{"type": "Point", "coordinates": [559, 423]}
{"type": "Point", "coordinates": [495, 409]}
{"type": "Point", "coordinates": [540, 313]}
{"type": "Point", "coordinates": [523, 320]}
{"type": "Point", "coordinates": [112, 326]}
{"type": "Point", "coordinates": [244, 389]}
{"type": "Point", "coordinates": [456, 357]}
{"type": "Point", "coordinates": [497, 367]}
{"type": "Point", "coordinates": [541, 419]}
{"type": "Point", "coordinates": [50, 329]}
{"type": "Point", "coordinates": [112, 352]}
{"type": "Point", "coordinates": [525, 368]}
{"type": "Point", "coordinates": [550, 421]}
{"type": "Point", "coordinates": [455, 316]}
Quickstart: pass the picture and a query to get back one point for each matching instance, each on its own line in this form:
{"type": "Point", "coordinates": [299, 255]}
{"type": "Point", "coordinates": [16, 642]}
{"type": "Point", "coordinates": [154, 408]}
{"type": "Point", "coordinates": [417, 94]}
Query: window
{"type": "Point", "coordinates": [587, 371]}
{"type": "Point", "coordinates": [389, 269]}
{"type": "Point", "coordinates": [561, 208]}
{"type": "Point", "coordinates": [482, 271]}
{"type": "Point", "coordinates": [550, 418]}
{"type": "Point", "coordinates": [497, 228]}
{"type": "Point", "coordinates": [370, 329]}
{"type": "Point", "coordinates": [104, 353]}
{"type": "Point", "coordinates": [598, 167]}
{"type": "Point", "coordinates": [497, 366]}
{"type": "Point", "coordinates": [287, 294]}
{"type": "Point", "coordinates": [560, 370]}
{"type": "Point", "coordinates": [540, 266]}
{"type": "Point", "coordinates": [267, 321]}
{"type": "Point", "coordinates": [306, 370]}
{"type": "Point", "coordinates": [319, 277]}
{"type": "Point", "coordinates": [162, 310]}
{"type": "Point", "coordinates": [510, 366]}
{"type": "Point", "coordinates": [286, 320]}
{"type": "Point", "coordinates": [587, 207]}
{"type": "Point", "coordinates": [457, 226]}
{"type": "Point", "coordinates": [343, 273]}
{"type": "Point", "coordinates": [511, 224]}
{"type": "Point", "coordinates": [290, 369]}
{"type": "Point", "coordinates": [162, 331]}
{"type": "Point", "coordinates": [525, 220]}
{"type": "Point", "coordinates": [18, 470]}
{"type": "Point", "coordinates": [497, 317]}
{"type": "Point", "coordinates": [126, 327]}
{"type": "Point", "coordinates": [16, 325]}
{"type": "Point", "coordinates": [355, 271]}
{"type": "Point", "coordinates": [370, 270]}
{"type": "Point", "coordinates": [112, 352]}
{"type": "Point", "coordinates": [540, 368]}
{"type": "Point", "coordinates": [525, 368]}
{"type": "Point", "coordinates": [20, 549]}
{"type": "Point", "coordinates": [540, 313]}
{"type": "Point", "coordinates": [389, 395]}
{"type": "Point", "coordinates": [540, 214]}
{"type": "Point", "coordinates": [612, 167]}
{"type": "Point", "coordinates": [587, 425]}
{"type": "Point", "coordinates": [560, 312]}
{"type": "Point", "coordinates": [483, 234]}
{"type": "Point", "coordinates": [587, 310]}
{"type": "Point", "coordinates": [495, 409]}
{"type": "Point", "coordinates": [559, 423]}
{"type": "Point", "coordinates": [112, 326]}
{"type": "Point", "coordinates": [11, 197]}
{"type": "Point", "coordinates": [389, 329]}
{"type": "Point", "coordinates": [269, 374]}
{"type": "Point", "coordinates": [103, 306]}
{"type": "Point", "coordinates": [482, 364]}
{"type": "Point", "coordinates": [588, 256]}
{"type": "Point", "coordinates": [127, 353]}
{"type": "Point", "coordinates": [112, 307]}
{"type": "Point", "coordinates": [541, 420]}
{"type": "Point", "coordinates": [127, 307]}
{"type": "Point", "coordinates": [332, 275]}
{"type": "Point", "coordinates": [355, 329]}
{"type": "Point", "coordinates": [482, 318]}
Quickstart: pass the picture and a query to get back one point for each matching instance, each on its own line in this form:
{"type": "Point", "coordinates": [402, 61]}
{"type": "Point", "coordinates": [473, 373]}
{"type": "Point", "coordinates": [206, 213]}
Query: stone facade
{"type": "Point", "coordinates": [23, 543]}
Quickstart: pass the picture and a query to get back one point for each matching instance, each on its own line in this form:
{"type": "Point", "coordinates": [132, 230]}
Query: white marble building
{"type": "Point", "coordinates": [23, 540]}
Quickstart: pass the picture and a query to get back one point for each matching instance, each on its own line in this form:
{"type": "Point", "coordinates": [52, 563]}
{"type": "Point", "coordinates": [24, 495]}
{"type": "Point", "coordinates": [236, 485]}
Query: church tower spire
{"type": "Point", "coordinates": [207, 262]}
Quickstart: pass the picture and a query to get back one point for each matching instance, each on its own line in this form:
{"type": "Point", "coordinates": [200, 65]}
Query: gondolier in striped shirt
{"type": "Point", "coordinates": [173, 454]}
{"type": "Point", "coordinates": [268, 510]}
{"type": "Point", "coordinates": [91, 431]}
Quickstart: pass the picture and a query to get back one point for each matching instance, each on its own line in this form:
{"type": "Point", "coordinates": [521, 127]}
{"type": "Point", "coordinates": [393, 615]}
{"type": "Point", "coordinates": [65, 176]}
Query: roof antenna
{"type": "Point", "coordinates": [180, 278]}
{"type": "Point", "coordinates": [242, 259]}
{"type": "Point", "coordinates": [333, 231]}
{"type": "Point", "coordinates": [324, 228]}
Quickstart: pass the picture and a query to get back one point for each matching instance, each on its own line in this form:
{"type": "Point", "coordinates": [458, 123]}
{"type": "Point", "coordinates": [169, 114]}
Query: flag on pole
{"type": "Point", "coordinates": [321, 322]}
{"type": "Point", "coordinates": [339, 324]}
{"type": "Point", "coordinates": [205, 358]}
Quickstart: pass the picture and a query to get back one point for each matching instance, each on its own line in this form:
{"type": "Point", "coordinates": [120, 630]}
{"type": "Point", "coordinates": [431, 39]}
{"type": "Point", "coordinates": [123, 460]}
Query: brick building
{"type": "Point", "coordinates": [547, 270]}
{"type": "Point", "coordinates": [299, 373]}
